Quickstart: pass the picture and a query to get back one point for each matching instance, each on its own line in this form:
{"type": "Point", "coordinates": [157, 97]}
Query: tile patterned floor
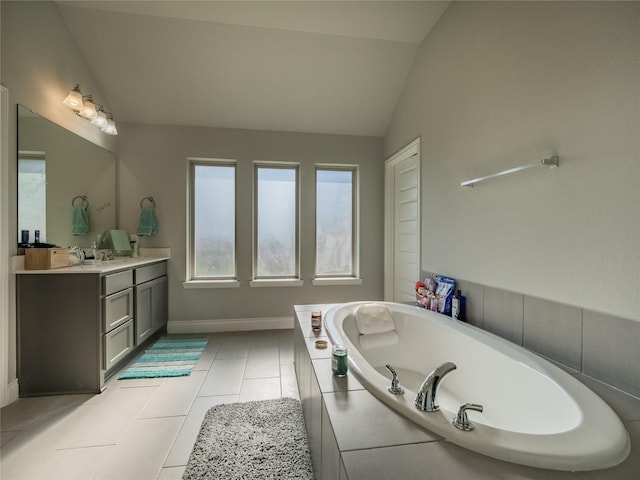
{"type": "Point", "coordinates": [142, 429]}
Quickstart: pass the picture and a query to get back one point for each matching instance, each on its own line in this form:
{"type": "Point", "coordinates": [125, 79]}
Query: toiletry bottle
{"type": "Point", "coordinates": [458, 306]}
{"type": "Point", "coordinates": [37, 236]}
{"type": "Point", "coordinates": [92, 251]}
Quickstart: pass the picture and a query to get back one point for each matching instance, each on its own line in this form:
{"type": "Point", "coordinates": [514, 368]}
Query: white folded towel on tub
{"type": "Point", "coordinates": [375, 340]}
{"type": "Point", "coordinates": [374, 318]}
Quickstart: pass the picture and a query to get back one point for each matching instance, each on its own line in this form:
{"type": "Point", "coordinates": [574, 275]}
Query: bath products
{"type": "Point", "coordinates": [37, 236]}
{"type": "Point", "coordinates": [339, 362]}
{"type": "Point", "coordinates": [458, 306]}
{"type": "Point", "coordinates": [444, 292]}
{"type": "Point", "coordinates": [316, 321]}
{"type": "Point", "coordinates": [433, 304]}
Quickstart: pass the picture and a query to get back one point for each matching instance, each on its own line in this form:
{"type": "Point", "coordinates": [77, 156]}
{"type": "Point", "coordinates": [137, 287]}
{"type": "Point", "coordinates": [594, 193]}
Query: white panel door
{"type": "Point", "coordinates": [402, 224]}
{"type": "Point", "coordinates": [406, 268]}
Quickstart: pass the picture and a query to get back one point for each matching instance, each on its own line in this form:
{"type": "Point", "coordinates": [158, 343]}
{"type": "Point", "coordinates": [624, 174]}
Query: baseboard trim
{"type": "Point", "coordinates": [229, 325]}
{"type": "Point", "coordinates": [13, 392]}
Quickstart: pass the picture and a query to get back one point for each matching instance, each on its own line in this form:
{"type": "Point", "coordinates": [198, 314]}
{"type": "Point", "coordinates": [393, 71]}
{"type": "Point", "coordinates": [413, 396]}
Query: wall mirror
{"type": "Point", "coordinates": [57, 171]}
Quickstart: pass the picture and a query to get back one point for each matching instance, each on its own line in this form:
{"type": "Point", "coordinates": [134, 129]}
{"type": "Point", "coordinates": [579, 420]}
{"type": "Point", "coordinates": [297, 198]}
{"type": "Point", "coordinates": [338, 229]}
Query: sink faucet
{"type": "Point", "coordinates": [426, 397]}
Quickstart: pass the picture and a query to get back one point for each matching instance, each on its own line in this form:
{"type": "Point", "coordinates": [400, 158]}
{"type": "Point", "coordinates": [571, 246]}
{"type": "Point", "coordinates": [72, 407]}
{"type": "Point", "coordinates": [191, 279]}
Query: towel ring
{"type": "Point", "coordinates": [83, 198]}
{"type": "Point", "coordinates": [151, 201]}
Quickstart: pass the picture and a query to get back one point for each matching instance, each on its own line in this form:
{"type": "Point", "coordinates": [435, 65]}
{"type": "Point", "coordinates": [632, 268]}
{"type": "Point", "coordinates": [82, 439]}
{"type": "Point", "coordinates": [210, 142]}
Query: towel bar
{"type": "Point", "coordinates": [551, 162]}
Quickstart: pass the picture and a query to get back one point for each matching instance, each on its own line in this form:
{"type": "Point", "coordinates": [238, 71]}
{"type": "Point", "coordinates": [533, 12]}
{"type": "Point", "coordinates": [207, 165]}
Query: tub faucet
{"type": "Point", "coordinates": [426, 397]}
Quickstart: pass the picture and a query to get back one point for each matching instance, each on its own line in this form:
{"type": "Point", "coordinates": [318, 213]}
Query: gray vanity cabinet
{"type": "Point", "coordinates": [76, 329]}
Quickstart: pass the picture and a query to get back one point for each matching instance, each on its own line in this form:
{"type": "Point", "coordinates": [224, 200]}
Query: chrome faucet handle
{"type": "Point", "coordinates": [461, 421]}
{"type": "Point", "coordinates": [395, 387]}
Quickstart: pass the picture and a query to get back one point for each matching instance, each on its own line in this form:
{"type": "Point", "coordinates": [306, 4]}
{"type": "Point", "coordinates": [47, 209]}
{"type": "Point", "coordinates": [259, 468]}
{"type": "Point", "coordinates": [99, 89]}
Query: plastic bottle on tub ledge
{"type": "Point", "coordinates": [458, 306]}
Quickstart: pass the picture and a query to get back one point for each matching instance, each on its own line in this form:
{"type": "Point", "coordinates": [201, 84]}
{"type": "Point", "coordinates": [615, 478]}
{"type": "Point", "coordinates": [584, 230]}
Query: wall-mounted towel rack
{"type": "Point", "coordinates": [150, 200]}
{"type": "Point", "coordinates": [551, 162]}
{"type": "Point", "coordinates": [83, 198]}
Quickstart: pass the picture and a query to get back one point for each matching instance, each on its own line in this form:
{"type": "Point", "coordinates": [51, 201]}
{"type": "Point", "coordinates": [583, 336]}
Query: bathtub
{"type": "Point", "coordinates": [534, 413]}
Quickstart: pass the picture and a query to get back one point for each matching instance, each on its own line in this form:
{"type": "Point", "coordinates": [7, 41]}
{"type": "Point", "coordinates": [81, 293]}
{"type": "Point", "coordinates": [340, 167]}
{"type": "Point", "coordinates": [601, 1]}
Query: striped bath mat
{"type": "Point", "coordinates": [170, 356]}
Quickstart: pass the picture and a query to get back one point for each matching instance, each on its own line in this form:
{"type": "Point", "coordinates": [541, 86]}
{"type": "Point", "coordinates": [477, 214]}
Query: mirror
{"type": "Point", "coordinates": [56, 168]}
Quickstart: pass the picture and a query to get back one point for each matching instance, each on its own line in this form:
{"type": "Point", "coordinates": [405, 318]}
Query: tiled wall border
{"type": "Point", "coordinates": [601, 346]}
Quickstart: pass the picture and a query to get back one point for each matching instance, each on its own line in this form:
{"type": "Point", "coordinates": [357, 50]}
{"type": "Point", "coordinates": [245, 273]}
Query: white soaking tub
{"type": "Point", "coordinates": [534, 413]}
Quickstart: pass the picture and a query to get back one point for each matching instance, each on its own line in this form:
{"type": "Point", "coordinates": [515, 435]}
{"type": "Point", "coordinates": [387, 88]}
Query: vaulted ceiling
{"type": "Point", "coordinates": [300, 66]}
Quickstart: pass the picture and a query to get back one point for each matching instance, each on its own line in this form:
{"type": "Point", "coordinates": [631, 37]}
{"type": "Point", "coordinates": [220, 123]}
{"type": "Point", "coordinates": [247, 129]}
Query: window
{"type": "Point", "coordinates": [212, 187]}
{"type": "Point", "coordinates": [335, 222]}
{"type": "Point", "coordinates": [276, 217]}
{"type": "Point", "coordinates": [32, 185]}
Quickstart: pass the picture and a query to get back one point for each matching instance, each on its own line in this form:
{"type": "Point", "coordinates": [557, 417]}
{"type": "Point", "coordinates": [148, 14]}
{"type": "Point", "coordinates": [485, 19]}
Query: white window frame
{"type": "Point", "coordinates": [354, 277]}
{"type": "Point", "coordinates": [276, 281]}
{"type": "Point", "coordinates": [230, 281]}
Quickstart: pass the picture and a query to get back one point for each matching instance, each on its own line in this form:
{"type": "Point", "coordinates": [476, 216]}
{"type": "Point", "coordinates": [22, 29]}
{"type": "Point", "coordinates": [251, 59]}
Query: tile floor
{"type": "Point", "coordinates": [142, 429]}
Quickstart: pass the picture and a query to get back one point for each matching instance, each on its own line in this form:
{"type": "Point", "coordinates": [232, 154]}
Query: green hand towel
{"type": "Point", "coordinates": [147, 225]}
{"type": "Point", "coordinates": [80, 221]}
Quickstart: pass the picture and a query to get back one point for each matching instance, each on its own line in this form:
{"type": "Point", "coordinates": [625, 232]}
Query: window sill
{"type": "Point", "coordinates": [326, 282]}
{"type": "Point", "coordinates": [211, 284]}
{"type": "Point", "coordinates": [276, 283]}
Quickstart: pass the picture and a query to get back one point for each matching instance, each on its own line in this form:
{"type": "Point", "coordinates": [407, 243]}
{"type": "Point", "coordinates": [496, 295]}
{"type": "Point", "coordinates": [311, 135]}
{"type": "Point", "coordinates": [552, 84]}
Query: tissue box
{"type": "Point", "coordinates": [46, 258]}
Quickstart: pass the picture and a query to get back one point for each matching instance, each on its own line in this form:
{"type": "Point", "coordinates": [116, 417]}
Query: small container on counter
{"type": "Point", "coordinates": [339, 362]}
{"type": "Point", "coordinates": [316, 321]}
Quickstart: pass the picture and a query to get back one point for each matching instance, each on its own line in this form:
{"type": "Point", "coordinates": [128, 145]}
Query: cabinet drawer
{"type": "Point", "coordinates": [117, 309]}
{"type": "Point", "coordinates": [116, 282]}
{"type": "Point", "coordinates": [117, 344]}
{"type": "Point", "coordinates": [149, 272]}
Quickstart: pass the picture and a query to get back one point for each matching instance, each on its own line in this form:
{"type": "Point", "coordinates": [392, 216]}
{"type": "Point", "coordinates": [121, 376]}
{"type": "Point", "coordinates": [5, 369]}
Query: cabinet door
{"type": "Point", "coordinates": [159, 303]}
{"type": "Point", "coordinates": [151, 308]}
{"type": "Point", "coordinates": [144, 309]}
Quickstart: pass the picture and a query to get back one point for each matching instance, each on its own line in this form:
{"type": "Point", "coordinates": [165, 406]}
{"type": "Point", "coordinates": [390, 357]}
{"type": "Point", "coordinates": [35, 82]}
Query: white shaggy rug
{"type": "Point", "coordinates": [253, 440]}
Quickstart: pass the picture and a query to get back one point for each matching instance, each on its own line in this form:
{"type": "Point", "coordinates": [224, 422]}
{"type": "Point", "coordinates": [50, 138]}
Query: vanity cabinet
{"type": "Point", "coordinates": [77, 329]}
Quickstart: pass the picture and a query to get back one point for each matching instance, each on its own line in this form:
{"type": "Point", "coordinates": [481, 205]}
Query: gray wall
{"type": "Point", "coordinates": [497, 84]}
{"type": "Point", "coordinates": [40, 64]}
{"type": "Point", "coordinates": [153, 162]}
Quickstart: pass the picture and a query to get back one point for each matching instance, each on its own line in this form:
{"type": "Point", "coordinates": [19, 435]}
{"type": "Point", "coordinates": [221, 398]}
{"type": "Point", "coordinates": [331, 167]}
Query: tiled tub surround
{"type": "Point", "coordinates": [601, 346]}
{"type": "Point", "coordinates": [352, 435]}
{"type": "Point", "coordinates": [551, 420]}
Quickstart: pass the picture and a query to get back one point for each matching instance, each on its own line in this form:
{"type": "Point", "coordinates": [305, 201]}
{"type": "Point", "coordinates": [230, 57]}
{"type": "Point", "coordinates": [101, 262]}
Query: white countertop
{"type": "Point", "coordinates": [108, 266]}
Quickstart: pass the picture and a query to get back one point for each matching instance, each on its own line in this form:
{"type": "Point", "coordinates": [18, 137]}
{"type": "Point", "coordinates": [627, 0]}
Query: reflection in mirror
{"type": "Point", "coordinates": [54, 167]}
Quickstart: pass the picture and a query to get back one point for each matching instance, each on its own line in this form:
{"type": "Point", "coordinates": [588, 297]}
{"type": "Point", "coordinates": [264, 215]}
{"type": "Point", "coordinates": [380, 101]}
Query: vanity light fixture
{"type": "Point", "coordinates": [85, 107]}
